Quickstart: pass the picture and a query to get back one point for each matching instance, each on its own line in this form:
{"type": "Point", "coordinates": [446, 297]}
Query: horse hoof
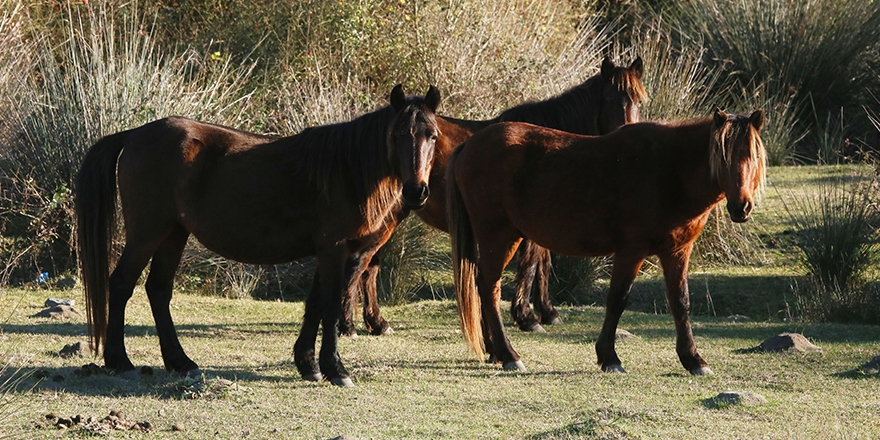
{"type": "Point", "coordinates": [516, 366]}
{"type": "Point", "coordinates": [342, 382]}
{"type": "Point", "coordinates": [314, 377]}
{"type": "Point", "coordinates": [537, 329]}
{"type": "Point", "coordinates": [614, 369]}
{"type": "Point", "coordinates": [388, 331]}
{"type": "Point", "coordinates": [195, 372]}
{"type": "Point", "coordinates": [555, 321]}
{"type": "Point", "coordinates": [702, 371]}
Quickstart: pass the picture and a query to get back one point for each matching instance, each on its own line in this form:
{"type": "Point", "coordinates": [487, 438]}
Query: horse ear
{"type": "Point", "coordinates": [637, 68]}
{"type": "Point", "coordinates": [607, 68]}
{"type": "Point", "coordinates": [757, 119]}
{"type": "Point", "coordinates": [720, 117]}
{"type": "Point", "coordinates": [398, 99]}
{"type": "Point", "coordinates": [432, 99]}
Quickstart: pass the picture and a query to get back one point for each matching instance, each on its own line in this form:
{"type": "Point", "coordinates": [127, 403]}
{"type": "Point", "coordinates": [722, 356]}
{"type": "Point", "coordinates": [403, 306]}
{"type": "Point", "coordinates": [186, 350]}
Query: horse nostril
{"type": "Point", "coordinates": [424, 192]}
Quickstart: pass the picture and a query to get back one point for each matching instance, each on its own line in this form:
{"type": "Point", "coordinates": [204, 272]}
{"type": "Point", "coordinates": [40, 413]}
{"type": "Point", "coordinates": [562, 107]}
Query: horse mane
{"type": "Point", "coordinates": [723, 142]}
{"type": "Point", "coordinates": [566, 111]}
{"type": "Point", "coordinates": [355, 154]}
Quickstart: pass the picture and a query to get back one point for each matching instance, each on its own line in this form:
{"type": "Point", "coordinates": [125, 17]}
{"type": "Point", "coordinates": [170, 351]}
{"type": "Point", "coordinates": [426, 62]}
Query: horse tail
{"type": "Point", "coordinates": [96, 224]}
{"type": "Point", "coordinates": [464, 257]}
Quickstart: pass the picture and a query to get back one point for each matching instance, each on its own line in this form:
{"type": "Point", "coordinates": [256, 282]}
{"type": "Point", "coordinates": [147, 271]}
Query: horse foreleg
{"type": "Point", "coordinates": [304, 348]}
{"type": "Point", "coordinates": [675, 271]}
{"type": "Point", "coordinates": [623, 273]}
{"type": "Point", "coordinates": [128, 269]}
{"type": "Point", "coordinates": [335, 272]}
{"type": "Point", "coordinates": [159, 287]}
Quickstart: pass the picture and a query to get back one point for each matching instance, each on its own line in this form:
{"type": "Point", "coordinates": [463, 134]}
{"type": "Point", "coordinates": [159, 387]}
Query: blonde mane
{"type": "Point", "coordinates": [726, 139]}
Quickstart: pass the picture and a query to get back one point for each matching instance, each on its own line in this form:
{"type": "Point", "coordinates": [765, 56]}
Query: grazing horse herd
{"type": "Point", "coordinates": [577, 174]}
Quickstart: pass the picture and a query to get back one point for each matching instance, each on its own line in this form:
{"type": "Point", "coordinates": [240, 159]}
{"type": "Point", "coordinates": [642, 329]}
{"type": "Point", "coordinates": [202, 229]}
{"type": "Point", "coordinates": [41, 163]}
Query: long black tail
{"type": "Point", "coordinates": [96, 224]}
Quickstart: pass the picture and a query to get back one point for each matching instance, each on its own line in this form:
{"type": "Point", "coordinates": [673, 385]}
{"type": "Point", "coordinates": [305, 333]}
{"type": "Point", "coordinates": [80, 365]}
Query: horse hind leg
{"type": "Point", "coordinates": [125, 275]}
{"type": "Point", "coordinates": [159, 287]}
{"type": "Point", "coordinates": [541, 290]}
{"type": "Point", "coordinates": [372, 315]}
{"type": "Point", "coordinates": [526, 273]}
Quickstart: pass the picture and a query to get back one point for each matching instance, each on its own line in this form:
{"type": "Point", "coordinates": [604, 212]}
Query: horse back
{"type": "Point", "coordinates": [626, 187]}
{"type": "Point", "coordinates": [212, 180]}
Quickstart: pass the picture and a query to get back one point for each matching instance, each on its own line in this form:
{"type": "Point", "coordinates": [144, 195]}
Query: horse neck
{"type": "Point", "coordinates": [574, 111]}
{"type": "Point", "coordinates": [694, 164]}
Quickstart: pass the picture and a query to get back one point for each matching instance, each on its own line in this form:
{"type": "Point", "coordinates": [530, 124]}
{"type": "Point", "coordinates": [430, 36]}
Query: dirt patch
{"type": "Point", "coordinates": [115, 421]}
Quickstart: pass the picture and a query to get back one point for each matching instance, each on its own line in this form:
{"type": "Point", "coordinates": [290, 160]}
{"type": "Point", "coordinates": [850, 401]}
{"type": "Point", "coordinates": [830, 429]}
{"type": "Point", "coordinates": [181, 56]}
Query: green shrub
{"type": "Point", "coordinates": [573, 279]}
{"type": "Point", "coordinates": [837, 236]}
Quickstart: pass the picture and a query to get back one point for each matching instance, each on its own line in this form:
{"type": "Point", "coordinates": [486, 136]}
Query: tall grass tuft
{"type": "Point", "coordinates": [410, 260]}
{"type": "Point", "coordinates": [573, 279]}
{"type": "Point", "coordinates": [812, 47]}
{"type": "Point", "coordinates": [106, 74]}
{"type": "Point", "coordinates": [679, 83]}
{"type": "Point", "coordinates": [837, 236]}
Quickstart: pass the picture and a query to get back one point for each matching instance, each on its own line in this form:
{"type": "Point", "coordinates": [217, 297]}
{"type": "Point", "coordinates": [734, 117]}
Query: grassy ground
{"type": "Point", "coordinates": [421, 383]}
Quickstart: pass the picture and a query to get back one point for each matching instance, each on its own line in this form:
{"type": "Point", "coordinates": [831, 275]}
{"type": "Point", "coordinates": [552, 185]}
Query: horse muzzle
{"type": "Point", "coordinates": [415, 195]}
{"type": "Point", "coordinates": [740, 212]}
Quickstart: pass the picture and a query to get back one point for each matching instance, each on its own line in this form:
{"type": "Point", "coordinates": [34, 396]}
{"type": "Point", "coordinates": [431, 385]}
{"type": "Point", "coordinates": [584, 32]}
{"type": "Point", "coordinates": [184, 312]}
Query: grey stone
{"type": "Point", "coordinates": [872, 367]}
{"type": "Point", "coordinates": [746, 398]}
{"type": "Point", "coordinates": [789, 342]}
{"type": "Point", "coordinates": [52, 302]}
{"type": "Point", "coordinates": [80, 349]}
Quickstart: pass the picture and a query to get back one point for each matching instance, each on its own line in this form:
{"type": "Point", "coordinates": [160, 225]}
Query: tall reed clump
{"type": "Point", "coordinates": [838, 239]}
{"type": "Point", "coordinates": [101, 74]}
{"type": "Point", "coordinates": [819, 55]}
{"type": "Point", "coordinates": [410, 261]}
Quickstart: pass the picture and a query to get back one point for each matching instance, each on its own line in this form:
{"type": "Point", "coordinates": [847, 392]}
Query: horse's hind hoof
{"type": "Point", "coordinates": [614, 369]}
{"type": "Point", "coordinates": [314, 377]}
{"type": "Point", "coordinates": [388, 330]}
{"type": "Point", "coordinates": [342, 382]}
{"type": "Point", "coordinates": [516, 366]}
{"type": "Point", "coordinates": [555, 321]}
{"type": "Point", "coordinates": [537, 329]}
{"type": "Point", "coordinates": [702, 371]}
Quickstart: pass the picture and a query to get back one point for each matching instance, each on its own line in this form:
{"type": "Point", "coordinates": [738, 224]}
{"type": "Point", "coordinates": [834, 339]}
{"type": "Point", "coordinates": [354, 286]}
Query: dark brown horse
{"type": "Point", "coordinates": [645, 189]}
{"type": "Point", "coordinates": [334, 191]}
{"type": "Point", "coordinates": [600, 105]}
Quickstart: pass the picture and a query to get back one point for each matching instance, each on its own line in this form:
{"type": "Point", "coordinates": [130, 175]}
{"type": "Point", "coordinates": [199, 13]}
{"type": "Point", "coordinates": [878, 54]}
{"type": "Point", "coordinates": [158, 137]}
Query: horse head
{"type": "Point", "coordinates": [411, 138]}
{"type": "Point", "coordinates": [738, 160]}
{"type": "Point", "coordinates": [622, 92]}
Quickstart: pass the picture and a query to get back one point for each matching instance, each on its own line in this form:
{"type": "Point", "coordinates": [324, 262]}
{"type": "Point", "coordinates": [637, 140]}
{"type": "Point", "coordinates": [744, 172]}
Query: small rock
{"type": "Point", "coordinates": [746, 398]}
{"type": "Point", "coordinates": [872, 367]}
{"type": "Point", "coordinates": [622, 335]}
{"type": "Point", "coordinates": [51, 416]}
{"type": "Point", "coordinates": [161, 413]}
{"type": "Point", "coordinates": [789, 342]}
{"type": "Point", "coordinates": [80, 349]}
{"type": "Point", "coordinates": [177, 427]}
{"type": "Point", "coordinates": [66, 283]}
{"type": "Point", "coordinates": [52, 302]}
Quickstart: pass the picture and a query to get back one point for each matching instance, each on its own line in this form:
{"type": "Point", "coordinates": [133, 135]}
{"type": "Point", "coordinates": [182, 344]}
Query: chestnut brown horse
{"type": "Point", "coordinates": [599, 105]}
{"type": "Point", "coordinates": [332, 191]}
{"type": "Point", "coordinates": [645, 189]}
